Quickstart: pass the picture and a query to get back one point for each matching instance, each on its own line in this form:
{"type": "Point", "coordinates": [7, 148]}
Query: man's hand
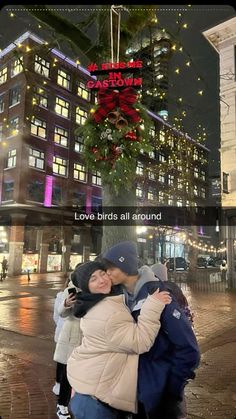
{"type": "Point", "coordinates": [163, 296]}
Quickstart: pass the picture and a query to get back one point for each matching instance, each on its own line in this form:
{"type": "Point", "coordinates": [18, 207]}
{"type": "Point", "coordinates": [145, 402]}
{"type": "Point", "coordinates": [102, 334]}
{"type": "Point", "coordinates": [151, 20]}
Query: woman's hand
{"type": "Point", "coordinates": [70, 300]}
{"type": "Point", "coordinates": [163, 296]}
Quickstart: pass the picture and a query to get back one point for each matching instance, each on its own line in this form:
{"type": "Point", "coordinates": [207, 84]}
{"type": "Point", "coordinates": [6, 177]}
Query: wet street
{"type": "Point", "coordinates": [27, 370]}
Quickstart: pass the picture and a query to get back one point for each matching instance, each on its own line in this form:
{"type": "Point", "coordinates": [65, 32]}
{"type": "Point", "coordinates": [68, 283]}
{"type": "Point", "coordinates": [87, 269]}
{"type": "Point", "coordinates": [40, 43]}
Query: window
{"type": "Point", "coordinates": [36, 159]}
{"type": "Point", "coordinates": [179, 202]}
{"type": "Point", "coordinates": [151, 154]}
{"type": "Point", "coordinates": [63, 79]}
{"type": "Point", "coordinates": [57, 195]}
{"type": "Point", "coordinates": [139, 192]}
{"type": "Point", "coordinates": [171, 142]}
{"type": "Point", "coordinates": [161, 177]}
{"type": "Point", "coordinates": [3, 75]}
{"type": "Point", "coordinates": [161, 197]}
{"type": "Point", "coordinates": [203, 175]}
{"type": "Point", "coordinates": [8, 190]}
{"type": "Point", "coordinates": [139, 168]}
{"type": "Point", "coordinates": [38, 127]}
{"type": "Point", "coordinates": [13, 126]}
{"type": "Point", "coordinates": [11, 158]}
{"type": "Point", "coordinates": [152, 132]}
{"type": "Point", "coordinates": [179, 184]}
{"type": "Point", "coordinates": [96, 202]}
{"type": "Point", "coordinates": [79, 199]}
{"type": "Point", "coordinates": [1, 103]}
{"type": "Point", "coordinates": [96, 178]}
{"type": "Point", "coordinates": [81, 116]}
{"type": "Point", "coordinates": [62, 107]}
{"type": "Point", "coordinates": [82, 91]}
{"type": "Point", "coordinates": [195, 154]}
{"type": "Point", "coordinates": [225, 182]}
{"type": "Point", "coordinates": [196, 172]}
{"type": "Point", "coordinates": [41, 66]}
{"type": "Point", "coordinates": [17, 66]}
{"type": "Point", "coordinates": [40, 97]}
{"type": "Point", "coordinates": [61, 136]}
{"type": "Point", "coordinates": [203, 192]}
{"type": "Point", "coordinates": [162, 136]}
{"type": "Point", "coordinates": [59, 166]}
{"type": "Point", "coordinates": [14, 96]}
{"type": "Point", "coordinates": [161, 157]}
{"type": "Point", "coordinates": [35, 190]}
{"type": "Point", "coordinates": [1, 132]}
{"type": "Point", "coordinates": [79, 144]}
{"type": "Point", "coordinates": [195, 190]}
{"type": "Point", "coordinates": [170, 201]}
{"type": "Point", "coordinates": [151, 175]}
{"type": "Point", "coordinates": [80, 172]}
{"type": "Point", "coordinates": [150, 194]}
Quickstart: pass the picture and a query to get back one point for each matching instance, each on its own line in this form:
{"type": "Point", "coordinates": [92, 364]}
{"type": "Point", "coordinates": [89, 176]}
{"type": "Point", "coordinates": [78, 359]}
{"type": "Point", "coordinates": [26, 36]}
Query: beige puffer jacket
{"type": "Point", "coordinates": [106, 364]}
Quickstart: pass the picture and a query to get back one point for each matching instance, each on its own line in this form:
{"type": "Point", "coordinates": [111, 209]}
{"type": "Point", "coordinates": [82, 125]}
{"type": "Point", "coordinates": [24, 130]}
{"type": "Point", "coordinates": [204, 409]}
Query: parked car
{"type": "Point", "coordinates": [202, 262]}
{"type": "Point", "coordinates": [179, 263]}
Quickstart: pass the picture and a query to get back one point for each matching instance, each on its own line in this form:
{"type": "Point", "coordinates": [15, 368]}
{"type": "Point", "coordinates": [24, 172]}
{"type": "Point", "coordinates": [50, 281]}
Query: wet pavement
{"type": "Point", "coordinates": [27, 370]}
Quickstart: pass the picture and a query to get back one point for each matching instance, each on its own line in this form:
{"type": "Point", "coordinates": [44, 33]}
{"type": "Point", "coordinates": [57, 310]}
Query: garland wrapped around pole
{"type": "Point", "coordinates": [115, 133]}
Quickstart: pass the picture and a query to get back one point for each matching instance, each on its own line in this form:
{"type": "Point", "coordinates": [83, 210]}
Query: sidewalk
{"type": "Point", "coordinates": [26, 350]}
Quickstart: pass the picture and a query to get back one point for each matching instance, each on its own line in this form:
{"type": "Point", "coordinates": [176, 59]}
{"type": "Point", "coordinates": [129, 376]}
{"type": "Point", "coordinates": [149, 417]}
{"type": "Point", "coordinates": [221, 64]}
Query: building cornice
{"type": "Point", "coordinates": [221, 33]}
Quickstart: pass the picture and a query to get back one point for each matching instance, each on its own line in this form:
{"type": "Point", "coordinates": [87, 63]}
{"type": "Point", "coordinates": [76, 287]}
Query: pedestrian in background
{"type": "Point", "coordinates": [4, 267]}
{"type": "Point", "coordinates": [68, 338]}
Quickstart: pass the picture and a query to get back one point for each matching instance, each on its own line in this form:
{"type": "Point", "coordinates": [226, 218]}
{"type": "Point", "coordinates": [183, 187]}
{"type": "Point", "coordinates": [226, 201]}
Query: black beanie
{"type": "Point", "coordinates": [81, 275]}
{"type": "Point", "coordinates": [124, 256]}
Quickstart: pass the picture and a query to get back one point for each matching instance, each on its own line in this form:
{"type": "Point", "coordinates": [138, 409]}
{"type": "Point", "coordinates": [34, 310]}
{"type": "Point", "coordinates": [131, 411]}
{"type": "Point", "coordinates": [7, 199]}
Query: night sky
{"type": "Point", "coordinates": [203, 59]}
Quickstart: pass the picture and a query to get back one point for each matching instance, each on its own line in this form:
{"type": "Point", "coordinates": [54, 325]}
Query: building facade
{"type": "Point", "coordinates": [43, 100]}
{"type": "Point", "coordinates": [223, 38]}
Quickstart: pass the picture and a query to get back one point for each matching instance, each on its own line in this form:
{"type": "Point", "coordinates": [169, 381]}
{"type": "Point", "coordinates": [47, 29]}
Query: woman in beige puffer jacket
{"type": "Point", "coordinates": [103, 369]}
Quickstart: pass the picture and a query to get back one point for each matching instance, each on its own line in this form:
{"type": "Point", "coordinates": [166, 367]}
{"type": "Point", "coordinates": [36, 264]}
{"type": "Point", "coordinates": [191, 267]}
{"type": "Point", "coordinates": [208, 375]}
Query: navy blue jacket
{"type": "Point", "coordinates": [174, 356]}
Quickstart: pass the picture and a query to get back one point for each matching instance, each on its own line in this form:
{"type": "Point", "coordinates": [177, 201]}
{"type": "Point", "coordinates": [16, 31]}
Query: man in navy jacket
{"type": "Point", "coordinates": [166, 368]}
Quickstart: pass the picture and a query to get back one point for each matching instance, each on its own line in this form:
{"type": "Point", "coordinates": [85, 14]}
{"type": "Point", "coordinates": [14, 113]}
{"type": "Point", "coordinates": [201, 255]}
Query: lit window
{"type": "Point", "coordinates": [151, 175]}
{"type": "Point", "coordinates": [40, 97]}
{"type": "Point", "coordinates": [96, 178]}
{"type": "Point", "coordinates": [36, 159]}
{"type": "Point", "coordinates": [152, 132]}
{"type": "Point", "coordinates": [162, 136]}
{"type": "Point", "coordinates": [61, 136]}
{"type": "Point", "coordinates": [151, 154]}
{"type": "Point", "coordinates": [1, 132]}
{"type": "Point", "coordinates": [80, 172]}
{"type": "Point", "coordinates": [1, 103]}
{"type": "Point", "coordinates": [41, 66]}
{"type": "Point", "coordinates": [13, 126]}
{"type": "Point", "coordinates": [59, 166]}
{"type": "Point", "coordinates": [15, 96]}
{"type": "Point", "coordinates": [195, 154]}
{"type": "Point", "coordinates": [171, 142]}
{"type": "Point", "coordinates": [17, 66]}
{"type": "Point", "coordinates": [195, 190]}
{"type": "Point", "coordinates": [203, 192]}
{"type": "Point", "coordinates": [38, 127]}
{"type": "Point", "coordinates": [195, 172]}
{"type": "Point", "coordinates": [11, 158]}
{"type": "Point", "coordinates": [180, 184]}
{"type": "Point", "coordinates": [150, 194]}
{"type": "Point", "coordinates": [161, 157]}
{"type": "Point", "coordinates": [161, 197]}
{"type": "Point", "coordinates": [161, 177]}
{"type": "Point", "coordinates": [79, 144]}
{"type": "Point", "coordinates": [171, 180]}
{"type": "Point", "coordinates": [179, 203]}
{"type": "Point", "coordinates": [139, 168]}
{"type": "Point", "coordinates": [170, 201]}
{"type": "Point", "coordinates": [3, 75]}
{"type": "Point", "coordinates": [203, 175]}
{"type": "Point", "coordinates": [81, 116]}
{"type": "Point", "coordinates": [83, 92]}
{"type": "Point", "coordinates": [62, 107]}
{"type": "Point", "coordinates": [139, 192]}
{"type": "Point", "coordinates": [63, 79]}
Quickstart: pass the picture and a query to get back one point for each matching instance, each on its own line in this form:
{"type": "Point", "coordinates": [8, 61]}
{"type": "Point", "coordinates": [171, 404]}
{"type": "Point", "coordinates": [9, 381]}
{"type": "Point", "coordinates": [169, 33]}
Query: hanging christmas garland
{"type": "Point", "coordinates": [115, 134]}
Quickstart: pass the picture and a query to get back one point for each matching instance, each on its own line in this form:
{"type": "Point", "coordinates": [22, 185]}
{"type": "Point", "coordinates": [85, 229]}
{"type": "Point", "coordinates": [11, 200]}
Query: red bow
{"type": "Point", "coordinates": [109, 99]}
